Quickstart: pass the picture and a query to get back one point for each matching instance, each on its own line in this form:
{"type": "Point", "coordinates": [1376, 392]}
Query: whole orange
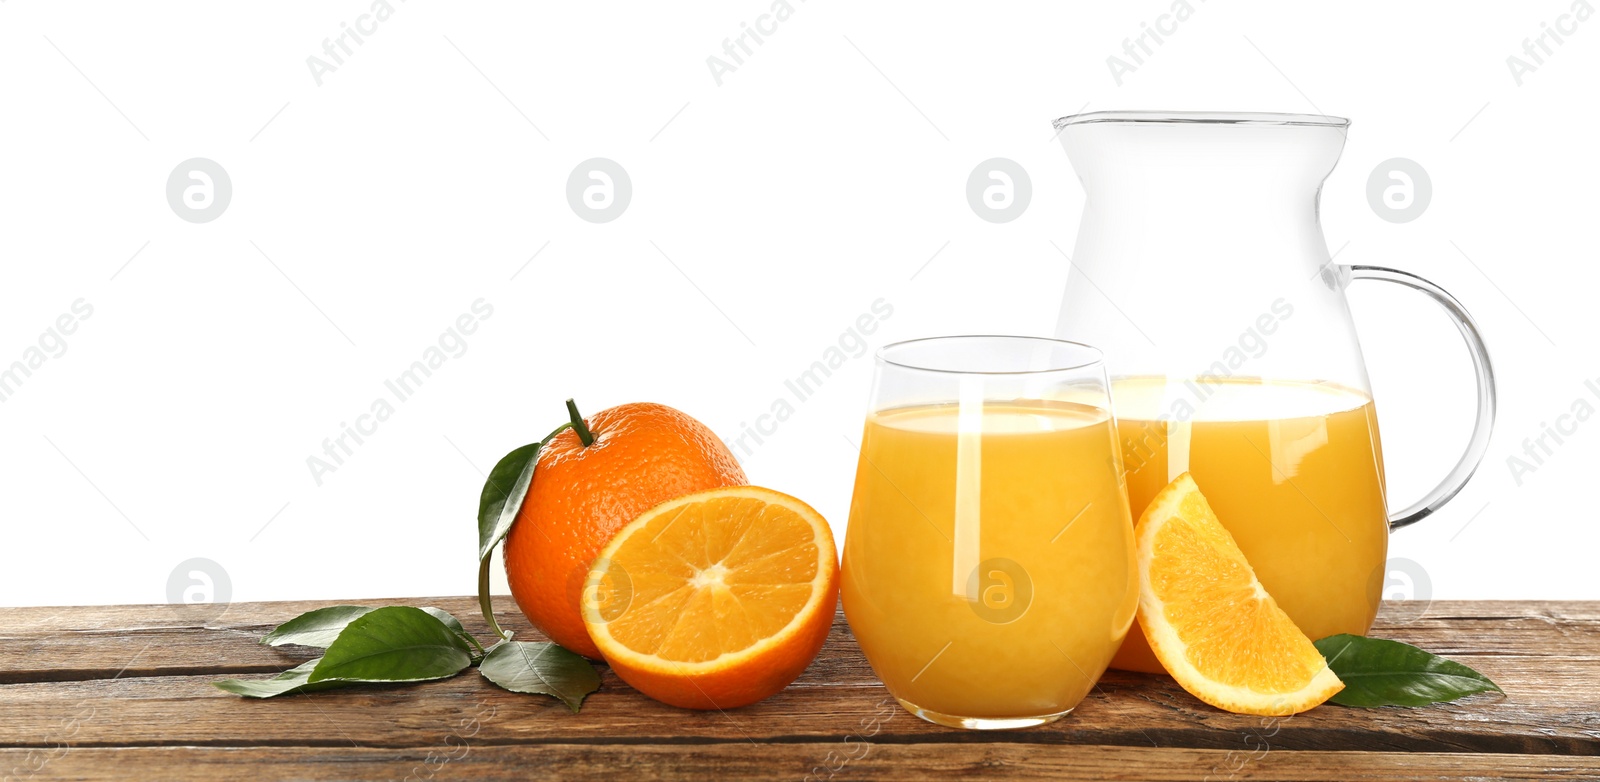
{"type": "Point", "coordinates": [642, 455]}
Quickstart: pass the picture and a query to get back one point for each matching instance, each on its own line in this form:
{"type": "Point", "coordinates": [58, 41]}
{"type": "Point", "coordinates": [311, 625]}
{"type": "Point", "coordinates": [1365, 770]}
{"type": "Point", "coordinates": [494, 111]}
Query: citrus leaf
{"type": "Point", "coordinates": [498, 504]}
{"type": "Point", "coordinates": [320, 627]}
{"type": "Point", "coordinates": [446, 618]}
{"type": "Point", "coordinates": [540, 668]}
{"type": "Point", "coordinates": [454, 624]}
{"type": "Point", "coordinates": [1379, 672]}
{"type": "Point", "coordinates": [502, 496]}
{"type": "Point", "coordinates": [394, 644]}
{"type": "Point", "coordinates": [287, 683]}
{"type": "Point", "coordinates": [314, 628]}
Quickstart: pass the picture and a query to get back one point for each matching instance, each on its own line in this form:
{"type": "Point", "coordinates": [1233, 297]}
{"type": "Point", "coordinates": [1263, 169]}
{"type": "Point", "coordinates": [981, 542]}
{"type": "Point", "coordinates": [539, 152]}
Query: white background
{"type": "Point", "coordinates": [821, 175]}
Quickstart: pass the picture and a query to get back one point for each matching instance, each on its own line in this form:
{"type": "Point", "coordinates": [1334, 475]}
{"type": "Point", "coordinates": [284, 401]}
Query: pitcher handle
{"type": "Point", "coordinates": [1479, 443]}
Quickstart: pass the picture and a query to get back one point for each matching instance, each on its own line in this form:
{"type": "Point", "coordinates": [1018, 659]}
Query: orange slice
{"type": "Point", "coordinates": [716, 599]}
{"type": "Point", "coordinates": [1209, 621]}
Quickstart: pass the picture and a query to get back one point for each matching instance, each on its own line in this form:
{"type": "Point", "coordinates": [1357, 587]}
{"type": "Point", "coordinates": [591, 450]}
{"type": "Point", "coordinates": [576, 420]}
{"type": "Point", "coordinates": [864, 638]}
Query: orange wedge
{"type": "Point", "coordinates": [1209, 621]}
{"type": "Point", "coordinates": [716, 599]}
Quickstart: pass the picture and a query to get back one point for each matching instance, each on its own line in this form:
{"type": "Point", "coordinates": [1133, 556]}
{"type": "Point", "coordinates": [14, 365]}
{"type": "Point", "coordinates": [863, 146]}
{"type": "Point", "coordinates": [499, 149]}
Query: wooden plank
{"type": "Point", "coordinates": [55, 644]}
{"type": "Point", "coordinates": [90, 642]}
{"type": "Point", "coordinates": [142, 673]}
{"type": "Point", "coordinates": [1550, 709]}
{"type": "Point", "coordinates": [466, 758]}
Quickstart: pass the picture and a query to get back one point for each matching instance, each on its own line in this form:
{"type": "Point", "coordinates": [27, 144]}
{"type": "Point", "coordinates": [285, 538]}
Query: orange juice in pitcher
{"type": "Point", "coordinates": [1201, 270]}
{"type": "Point", "coordinates": [1294, 471]}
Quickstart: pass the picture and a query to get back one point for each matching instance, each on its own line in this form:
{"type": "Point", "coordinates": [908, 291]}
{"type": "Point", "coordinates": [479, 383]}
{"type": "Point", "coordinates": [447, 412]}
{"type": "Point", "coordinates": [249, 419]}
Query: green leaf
{"type": "Point", "coordinates": [319, 628]}
{"type": "Point", "coordinates": [394, 644]}
{"type": "Point", "coordinates": [324, 626]}
{"type": "Point", "coordinates": [498, 504]}
{"type": "Point", "coordinates": [502, 496]}
{"type": "Point", "coordinates": [454, 624]}
{"type": "Point", "coordinates": [291, 681]}
{"type": "Point", "coordinates": [1378, 672]}
{"type": "Point", "coordinates": [314, 628]}
{"type": "Point", "coordinates": [540, 668]}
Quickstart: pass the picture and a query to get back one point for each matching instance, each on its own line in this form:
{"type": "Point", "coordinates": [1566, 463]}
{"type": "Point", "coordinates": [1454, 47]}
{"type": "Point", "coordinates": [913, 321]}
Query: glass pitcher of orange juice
{"type": "Point", "coordinates": [988, 566]}
{"type": "Point", "coordinates": [1201, 269]}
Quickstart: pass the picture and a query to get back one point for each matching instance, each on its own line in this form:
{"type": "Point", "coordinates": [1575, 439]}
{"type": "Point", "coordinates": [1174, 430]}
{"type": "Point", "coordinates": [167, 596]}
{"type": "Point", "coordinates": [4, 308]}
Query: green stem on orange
{"type": "Point", "coordinates": [584, 435]}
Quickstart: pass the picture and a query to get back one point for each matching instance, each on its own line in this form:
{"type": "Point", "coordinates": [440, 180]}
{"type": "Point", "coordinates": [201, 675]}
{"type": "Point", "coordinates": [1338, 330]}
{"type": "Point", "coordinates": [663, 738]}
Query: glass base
{"type": "Point", "coordinates": [982, 723]}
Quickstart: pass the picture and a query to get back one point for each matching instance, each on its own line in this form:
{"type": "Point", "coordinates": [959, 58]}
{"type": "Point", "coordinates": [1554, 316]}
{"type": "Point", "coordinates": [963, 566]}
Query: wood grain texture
{"type": "Point", "coordinates": [807, 761]}
{"type": "Point", "coordinates": [65, 644]}
{"type": "Point", "coordinates": [102, 690]}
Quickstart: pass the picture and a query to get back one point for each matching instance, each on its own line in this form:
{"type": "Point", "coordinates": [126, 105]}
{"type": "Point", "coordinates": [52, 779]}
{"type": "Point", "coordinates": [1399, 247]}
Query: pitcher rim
{"type": "Point", "coordinates": [1203, 118]}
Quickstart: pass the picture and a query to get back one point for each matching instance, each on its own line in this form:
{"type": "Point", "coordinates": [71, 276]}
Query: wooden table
{"type": "Point", "coordinates": [124, 692]}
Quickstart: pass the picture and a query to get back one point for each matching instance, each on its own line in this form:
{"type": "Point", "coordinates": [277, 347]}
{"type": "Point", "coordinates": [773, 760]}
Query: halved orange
{"type": "Point", "coordinates": [1209, 621]}
{"type": "Point", "coordinates": [714, 600]}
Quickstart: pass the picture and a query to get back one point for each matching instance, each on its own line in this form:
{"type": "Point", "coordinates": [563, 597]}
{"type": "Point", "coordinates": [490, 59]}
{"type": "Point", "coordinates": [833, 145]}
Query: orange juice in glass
{"type": "Point", "coordinates": [988, 565]}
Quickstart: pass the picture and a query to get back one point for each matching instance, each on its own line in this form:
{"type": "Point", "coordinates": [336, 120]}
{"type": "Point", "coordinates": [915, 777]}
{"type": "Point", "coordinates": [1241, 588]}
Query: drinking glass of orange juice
{"type": "Point", "coordinates": [988, 566]}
